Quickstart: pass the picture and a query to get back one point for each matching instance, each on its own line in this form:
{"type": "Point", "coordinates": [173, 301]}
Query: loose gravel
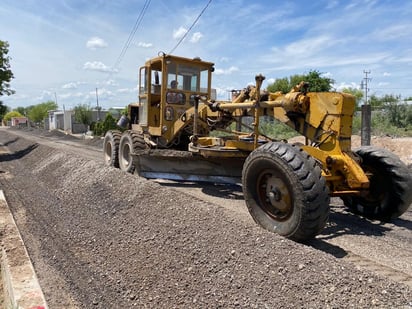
{"type": "Point", "coordinates": [100, 238]}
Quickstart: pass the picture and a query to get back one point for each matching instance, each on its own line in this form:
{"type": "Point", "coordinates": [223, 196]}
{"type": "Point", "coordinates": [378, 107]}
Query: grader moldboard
{"type": "Point", "coordinates": [173, 133]}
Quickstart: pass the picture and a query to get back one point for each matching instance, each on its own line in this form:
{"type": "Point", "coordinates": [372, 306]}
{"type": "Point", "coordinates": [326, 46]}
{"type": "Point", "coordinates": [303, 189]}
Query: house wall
{"type": "Point", "coordinates": [64, 120]}
{"type": "Point", "coordinates": [16, 121]}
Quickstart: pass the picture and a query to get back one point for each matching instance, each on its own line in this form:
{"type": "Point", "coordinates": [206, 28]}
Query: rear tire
{"type": "Point", "coordinates": [111, 148]}
{"type": "Point", "coordinates": [390, 191]}
{"type": "Point", "coordinates": [285, 192]}
{"type": "Point", "coordinates": [129, 144]}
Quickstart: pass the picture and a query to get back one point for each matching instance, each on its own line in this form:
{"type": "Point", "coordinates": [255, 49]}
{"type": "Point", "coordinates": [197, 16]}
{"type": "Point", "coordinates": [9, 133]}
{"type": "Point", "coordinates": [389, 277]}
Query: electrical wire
{"type": "Point", "coordinates": [190, 28]}
{"type": "Point", "coordinates": [132, 33]}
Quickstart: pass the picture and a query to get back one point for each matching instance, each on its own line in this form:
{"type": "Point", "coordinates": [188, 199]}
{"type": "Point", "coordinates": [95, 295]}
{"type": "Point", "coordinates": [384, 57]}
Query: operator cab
{"type": "Point", "coordinates": [168, 86]}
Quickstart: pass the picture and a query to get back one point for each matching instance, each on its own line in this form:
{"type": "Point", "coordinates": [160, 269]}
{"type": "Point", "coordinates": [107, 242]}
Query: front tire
{"type": "Point", "coordinates": [390, 189]}
{"type": "Point", "coordinates": [111, 148]}
{"type": "Point", "coordinates": [285, 192]}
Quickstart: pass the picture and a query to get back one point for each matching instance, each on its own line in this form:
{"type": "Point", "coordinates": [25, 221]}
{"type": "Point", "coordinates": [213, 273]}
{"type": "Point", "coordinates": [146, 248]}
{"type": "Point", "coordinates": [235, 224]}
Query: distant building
{"type": "Point", "coordinates": [18, 121]}
{"type": "Point", "coordinates": [65, 121]}
{"type": "Point", "coordinates": [60, 120]}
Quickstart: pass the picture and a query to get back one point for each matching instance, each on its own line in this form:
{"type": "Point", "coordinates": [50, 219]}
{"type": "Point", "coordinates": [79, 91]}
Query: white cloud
{"type": "Point", "coordinates": [179, 33]}
{"type": "Point", "coordinates": [45, 95]}
{"type": "Point", "coordinates": [96, 42]}
{"type": "Point", "coordinates": [270, 80]}
{"type": "Point", "coordinates": [393, 32]}
{"type": "Point", "coordinates": [344, 85]}
{"type": "Point", "coordinates": [231, 70]}
{"type": "Point", "coordinates": [102, 93]}
{"type": "Point", "coordinates": [97, 66]}
{"type": "Point", "coordinates": [111, 82]}
{"type": "Point", "coordinates": [71, 95]}
{"type": "Point", "coordinates": [144, 45]}
{"type": "Point", "coordinates": [70, 86]}
{"type": "Point", "coordinates": [332, 4]}
{"type": "Point", "coordinates": [222, 93]}
{"type": "Point", "coordinates": [386, 74]}
{"type": "Point", "coordinates": [196, 37]}
{"type": "Point", "coordinates": [309, 46]}
{"type": "Point", "coordinates": [127, 90]}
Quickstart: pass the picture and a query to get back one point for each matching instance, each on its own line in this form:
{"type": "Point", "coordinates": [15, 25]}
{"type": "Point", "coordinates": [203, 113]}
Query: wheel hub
{"type": "Point", "coordinates": [277, 194]}
{"type": "Point", "coordinates": [274, 195]}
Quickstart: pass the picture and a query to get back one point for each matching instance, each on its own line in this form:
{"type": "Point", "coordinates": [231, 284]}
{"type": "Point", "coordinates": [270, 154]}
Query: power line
{"type": "Point", "coordinates": [190, 28]}
{"type": "Point", "coordinates": [132, 33]}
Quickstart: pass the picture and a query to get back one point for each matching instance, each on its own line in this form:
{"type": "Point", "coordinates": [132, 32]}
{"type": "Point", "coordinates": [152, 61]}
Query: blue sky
{"type": "Point", "coordinates": [64, 50]}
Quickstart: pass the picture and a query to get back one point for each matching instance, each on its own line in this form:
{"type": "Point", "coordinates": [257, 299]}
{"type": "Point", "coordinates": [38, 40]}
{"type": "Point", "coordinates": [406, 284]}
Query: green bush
{"type": "Point", "coordinates": [381, 124]}
{"type": "Point", "coordinates": [10, 115]}
{"type": "Point", "coordinates": [275, 129]}
{"type": "Point", "coordinates": [268, 126]}
{"type": "Point", "coordinates": [101, 127]}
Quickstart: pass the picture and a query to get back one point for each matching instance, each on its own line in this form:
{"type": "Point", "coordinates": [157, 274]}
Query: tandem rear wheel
{"type": "Point", "coordinates": [111, 147]}
{"type": "Point", "coordinates": [130, 143]}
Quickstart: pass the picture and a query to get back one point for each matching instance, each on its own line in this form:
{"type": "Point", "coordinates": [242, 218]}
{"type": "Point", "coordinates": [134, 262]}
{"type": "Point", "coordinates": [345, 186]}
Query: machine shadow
{"type": "Point", "coordinates": [226, 191]}
{"type": "Point", "coordinates": [346, 223]}
{"type": "Point", "coordinates": [407, 224]}
{"type": "Point", "coordinates": [342, 222]}
{"type": "Point", "coordinates": [18, 154]}
{"type": "Point", "coordinates": [11, 141]}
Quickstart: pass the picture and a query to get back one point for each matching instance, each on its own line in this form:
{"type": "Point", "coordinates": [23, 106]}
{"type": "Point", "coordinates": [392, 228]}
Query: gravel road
{"type": "Point", "coordinates": [100, 238]}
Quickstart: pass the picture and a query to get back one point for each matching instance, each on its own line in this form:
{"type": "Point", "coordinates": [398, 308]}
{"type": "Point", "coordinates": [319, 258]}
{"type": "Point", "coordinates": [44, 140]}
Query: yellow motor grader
{"type": "Point", "coordinates": [177, 130]}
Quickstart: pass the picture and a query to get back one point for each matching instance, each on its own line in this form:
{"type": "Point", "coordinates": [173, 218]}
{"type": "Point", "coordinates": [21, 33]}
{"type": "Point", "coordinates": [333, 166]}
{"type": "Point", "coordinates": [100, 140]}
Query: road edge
{"type": "Point", "coordinates": [20, 284]}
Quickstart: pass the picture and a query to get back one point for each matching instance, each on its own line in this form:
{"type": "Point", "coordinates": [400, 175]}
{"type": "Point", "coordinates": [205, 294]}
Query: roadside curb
{"type": "Point", "coordinates": [21, 287]}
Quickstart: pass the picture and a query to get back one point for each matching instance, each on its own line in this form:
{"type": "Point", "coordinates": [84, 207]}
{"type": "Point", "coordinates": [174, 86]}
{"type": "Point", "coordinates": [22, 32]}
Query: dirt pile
{"type": "Point", "coordinates": [100, 238]}
{"type": "Point", "coordinates": [401, 146]}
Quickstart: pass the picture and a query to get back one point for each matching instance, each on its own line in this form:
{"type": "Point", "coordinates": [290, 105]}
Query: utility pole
{"type": "Point", "coordinates": [366, 113]}
{"type": "Point", "coordinates": [55, 98]}
{"type": "Point", "coordinates": [97, 106]}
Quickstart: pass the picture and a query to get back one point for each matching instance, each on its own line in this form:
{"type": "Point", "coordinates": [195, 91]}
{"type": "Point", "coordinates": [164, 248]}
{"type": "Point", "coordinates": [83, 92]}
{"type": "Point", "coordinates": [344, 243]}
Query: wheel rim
{"type": "Point", "coordinates": [274, 196]}
{"type": "Point", "coordinates": [108, 153]}
{"type": "Point", "coordinates": [126, 157]}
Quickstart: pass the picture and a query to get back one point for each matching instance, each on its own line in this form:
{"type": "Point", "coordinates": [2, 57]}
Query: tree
{"type": "Point", "coordinates": [9, 115]}
{"type": "Point", "coordinates": [375, 102]}
{"type": "Point", "coordinates": [21, 110]}
{"type": "Point", "coordinates": [317, 83]}
{"type": "Point", "coordinates": [6, 75]}
{"type": "Point", "coordinates": [280, 84]}
{"type": "Point", "coordinates": [357, 93]}
{"type": "Point", "coordinates": [37, 113]}
{"type": "Point", "coordinates": [83, 114]}
{"type": "Point", "coordinates": [3, 110]}
{"type": "Point", "coordinates": [101, 127]}
{"type": "Point", "coordinates": [397, 112]}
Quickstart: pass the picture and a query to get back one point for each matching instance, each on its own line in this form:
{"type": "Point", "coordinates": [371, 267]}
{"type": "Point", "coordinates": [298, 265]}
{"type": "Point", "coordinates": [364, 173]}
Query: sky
{"type": "Point", "coordinates": [72, 51]}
